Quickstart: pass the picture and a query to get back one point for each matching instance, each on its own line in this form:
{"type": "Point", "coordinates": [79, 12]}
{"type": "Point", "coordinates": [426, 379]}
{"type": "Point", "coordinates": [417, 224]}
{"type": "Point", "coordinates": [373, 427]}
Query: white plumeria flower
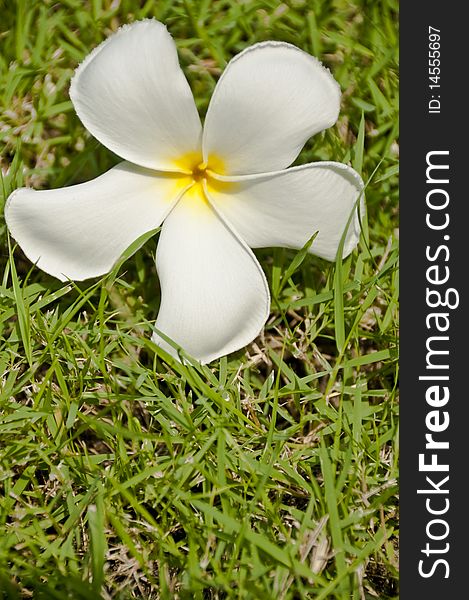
{"type": "Point", "coordinates": [219, 191]}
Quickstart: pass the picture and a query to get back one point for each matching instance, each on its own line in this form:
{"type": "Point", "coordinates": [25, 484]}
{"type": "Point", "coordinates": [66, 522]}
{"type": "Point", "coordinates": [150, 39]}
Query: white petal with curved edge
{"type": "Point", "coordinates": [80, 231]}
{"type": "Point", "coordinates": [215, 298]}
{"type": "Point", "coordinates": [286, 208]}
{"type": "Point", "coordinates": [131, 94]}
{"type": "Point", "coordinates": [269, 100]}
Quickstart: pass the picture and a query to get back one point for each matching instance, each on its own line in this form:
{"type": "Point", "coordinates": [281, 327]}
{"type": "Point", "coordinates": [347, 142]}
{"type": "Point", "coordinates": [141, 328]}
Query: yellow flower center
{"type": "Point", "coordinates": [192, 163]}
{"type": "Point", "coordinates": [196, 175]}
{"type": "Point", "coordinates": [200, 172]}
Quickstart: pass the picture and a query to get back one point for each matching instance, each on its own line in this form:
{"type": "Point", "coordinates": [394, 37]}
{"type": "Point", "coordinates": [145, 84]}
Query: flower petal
{"type": "Point", "coordinates": [131, 94]}
{"type": "Point", "coordinates": [80, 231]}
{"type": "Point", "coordinates": [270, 99]}
{"type": "Point", "coordinates": [286, 208]}
{"type": "Point", "coordinates": [215, 298]}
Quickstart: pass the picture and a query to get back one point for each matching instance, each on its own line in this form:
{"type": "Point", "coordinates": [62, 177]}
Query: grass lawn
{"type": "Point", "coordinates": [270, 473]}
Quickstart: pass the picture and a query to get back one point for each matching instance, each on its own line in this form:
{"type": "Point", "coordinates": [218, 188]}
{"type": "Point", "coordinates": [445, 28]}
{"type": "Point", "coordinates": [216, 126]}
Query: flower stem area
{"type": "Point", "coordinates": [269, 473]}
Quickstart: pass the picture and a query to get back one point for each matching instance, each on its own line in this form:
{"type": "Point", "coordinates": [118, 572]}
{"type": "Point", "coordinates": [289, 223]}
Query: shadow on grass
{"type": "Point", "coordinates": [57, 587]}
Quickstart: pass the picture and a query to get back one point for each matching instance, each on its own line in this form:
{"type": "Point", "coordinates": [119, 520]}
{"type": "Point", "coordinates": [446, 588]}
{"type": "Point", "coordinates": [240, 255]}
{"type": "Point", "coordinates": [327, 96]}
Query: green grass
{"type": "Point", "coordinates": [270, 473]}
